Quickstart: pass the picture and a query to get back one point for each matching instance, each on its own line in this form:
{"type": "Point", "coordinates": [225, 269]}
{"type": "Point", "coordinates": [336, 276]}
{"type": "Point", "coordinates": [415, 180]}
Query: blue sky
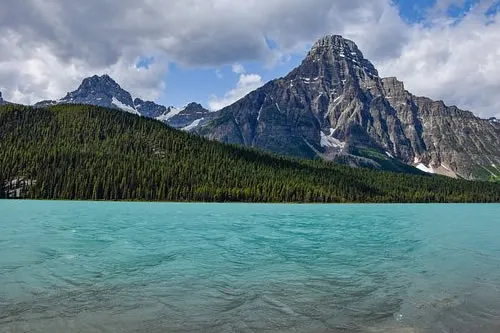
{"type": "Point", "coordinates": [184, 84]}
{"type": "Point", "coordinates": [215, 51]}
{"type": "Point", "coordinates": [187, 84]}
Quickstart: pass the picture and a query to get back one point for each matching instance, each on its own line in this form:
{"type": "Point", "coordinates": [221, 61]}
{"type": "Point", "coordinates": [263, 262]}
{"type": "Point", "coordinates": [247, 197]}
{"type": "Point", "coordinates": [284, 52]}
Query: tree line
{"type": "Point", "coordinates": [81, 152]}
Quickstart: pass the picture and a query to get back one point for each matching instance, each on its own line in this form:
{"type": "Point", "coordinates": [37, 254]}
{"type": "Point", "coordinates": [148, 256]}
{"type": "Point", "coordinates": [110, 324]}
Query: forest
{"type": "Point", "coordinates": [81, 152]}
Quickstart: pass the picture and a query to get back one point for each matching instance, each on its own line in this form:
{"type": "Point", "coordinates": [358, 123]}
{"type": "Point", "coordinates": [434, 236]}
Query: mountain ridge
{"type": "Point", "coordinates": [104, 91]}
{"type": "Point", "coordinates": [334, 105]}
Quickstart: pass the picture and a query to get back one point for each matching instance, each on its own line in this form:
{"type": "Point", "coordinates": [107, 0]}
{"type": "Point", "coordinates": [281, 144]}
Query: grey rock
{"type": "Point", "coordinates": [101, 91]}
{"type": "Point", "coordinates": [149, 109]}
{"type": "Point", "coordinates": [46, 103]}
{"type": "Point", "coordinates": [335, 106]}
{"type": "Point", "coordinates": [190, 116]}
{"type": "Point", "coordinates": [187, 118]}
{"type": "Point", "coordinates": [104, 91]}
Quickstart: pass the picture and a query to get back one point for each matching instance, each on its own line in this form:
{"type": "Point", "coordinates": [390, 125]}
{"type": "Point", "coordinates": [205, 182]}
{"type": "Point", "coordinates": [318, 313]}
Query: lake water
{"type": "Point", "coordinates": [139, 267]}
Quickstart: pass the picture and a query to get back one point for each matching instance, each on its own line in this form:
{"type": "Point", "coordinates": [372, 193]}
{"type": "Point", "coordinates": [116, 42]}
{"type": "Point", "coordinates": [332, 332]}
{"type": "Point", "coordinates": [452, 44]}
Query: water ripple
{"type": "Point", "coordinates": [112, 267]}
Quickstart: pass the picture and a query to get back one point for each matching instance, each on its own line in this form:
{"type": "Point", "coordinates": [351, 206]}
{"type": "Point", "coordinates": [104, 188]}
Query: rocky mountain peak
{"type": "Point", "coordinates": [194, 107]}
{"type": "Point", "coordinates": [334, 61]}
{"type": "Point", "coordinates": [100, 81]}
{"type": "Point", "coordinates": [101, 91]}
{"type": "Point", "coordinates": [392, 86]}
{"type": "Point", "coordinates": [335, 106]}
{"type": "Point", "coordinates": [148, 108]}
{"type": "Point", "coordinates": [106, 92]}
{"type": "Point", "coordinates": [335, 44]}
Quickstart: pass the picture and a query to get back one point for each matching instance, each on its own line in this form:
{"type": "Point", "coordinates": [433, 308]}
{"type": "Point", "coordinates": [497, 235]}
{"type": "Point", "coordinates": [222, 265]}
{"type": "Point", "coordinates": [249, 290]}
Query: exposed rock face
{"type": "Point", "coordinates": [46, 103]}
{"type": "Point", "coordinates": [445, 138]}
{"type": "Point", "coordinates": [149, 109]}
{"type": "Point", "coordinates": [101, 91]}
{"type": "Point", "coordinates": [186, 118]}
{"type": "Point", "coordinates": [190, 117]}
{"type": "Point", "coordinates": [335, 105]}
{"type": "Point", "coordinates": [104, 91]}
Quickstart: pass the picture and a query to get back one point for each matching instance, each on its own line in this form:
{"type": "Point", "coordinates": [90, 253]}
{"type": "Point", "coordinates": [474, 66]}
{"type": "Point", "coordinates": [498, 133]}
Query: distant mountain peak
{"type": "Point", "coordinates": [148, 108]}
{"type": "Point", "coordinates": [335, 58]}
{"type": "Point", "coordinates": [337, 45]}
{"type": "Point", "coordinates": [101, 91]}
{"type": "Point", "coordinates": [336, 42]}
{"type": "Point", "coordinates": [334, 105]}
{"type": "Point", "coordinates": [100, 81]}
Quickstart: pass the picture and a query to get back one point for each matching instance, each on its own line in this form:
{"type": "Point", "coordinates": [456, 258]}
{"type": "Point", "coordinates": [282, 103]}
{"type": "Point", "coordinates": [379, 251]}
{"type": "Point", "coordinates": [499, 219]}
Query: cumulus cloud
{"type": "Point", "coordinates": [48, 46]}
{"type": "Point", "coordinates": [238, 69]}
{"type": "Point", "coordinates": [456, 61]}
{"type": "Point", "coordinates": [246, 84]}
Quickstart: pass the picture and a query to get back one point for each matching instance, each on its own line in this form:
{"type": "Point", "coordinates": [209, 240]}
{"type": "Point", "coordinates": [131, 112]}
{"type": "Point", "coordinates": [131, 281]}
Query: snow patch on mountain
{"type": "Point", "coordinates": [425, 168]}
{"type": "Point", "coordinates": [172, 112]}
{"type": "Point", "coordinates": [124, 107]}
{"type": "Point", "coordinates": [330, 141]}
{"type": "Point", "coordinates": [193, 125]}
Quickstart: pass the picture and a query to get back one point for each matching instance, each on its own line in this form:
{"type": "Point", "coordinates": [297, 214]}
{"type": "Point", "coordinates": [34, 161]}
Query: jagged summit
{"type": "Point", "coordinates": [148, 108]}
{"type": "Point", "coordinates": [101, 91]}
{"type": "Point", "coordinates": [335, 60]}
{"type": "Point", "coordinates": [335, 43]}
{"type": "Point", "coordinates": [334, 105]}
{"type": "Point", "coordinates": [105, 80]}
{"type": "Point", "coordinates": [106, 92]}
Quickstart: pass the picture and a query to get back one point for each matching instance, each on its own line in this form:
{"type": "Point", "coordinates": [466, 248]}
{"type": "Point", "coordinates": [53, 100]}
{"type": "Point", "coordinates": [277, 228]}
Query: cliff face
{"type": "Point", "coordinates": [106, 92]}
{"type": "Point", "coordinates": [335, 105]}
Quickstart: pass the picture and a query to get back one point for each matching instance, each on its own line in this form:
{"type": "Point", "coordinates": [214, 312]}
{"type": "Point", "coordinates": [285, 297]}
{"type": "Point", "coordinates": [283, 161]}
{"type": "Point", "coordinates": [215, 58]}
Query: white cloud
{"type": "Point", "coordinates": [48, 47]}
{"type": "Point", "coordinates": [246, 84]}
{"type": "Point", "coordinates": [219, 74]}
{"type": "Point", "coordinates": [458, 62]}
{"type": "Point", "coordinates": [238, 69]}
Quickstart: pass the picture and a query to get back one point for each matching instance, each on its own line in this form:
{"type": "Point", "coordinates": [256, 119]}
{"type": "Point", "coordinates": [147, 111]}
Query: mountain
{"type": "Point", "coordinates": [335, 106]}
{"type": "Point", "coordinates": [189, 117]}
{"type": "Point", "coordinates": [104, 91]}
{"type": "Point", "coordinates": [45, 103]}
{"type": "Point", "coordinates": [88, 152]}
{"type": "Point", "coordinates": [101, 91]}
{"type": "Point", "coordinates": [149, 109]}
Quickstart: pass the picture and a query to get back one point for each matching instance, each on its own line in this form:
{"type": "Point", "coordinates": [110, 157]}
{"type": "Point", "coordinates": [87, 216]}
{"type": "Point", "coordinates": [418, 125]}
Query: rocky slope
{"type": "Point", "coordinates": [335, 105]}
{"type": "Point", "coordinates": [101, 91]}
{"type": "Point", "coordinates": [104, 91]}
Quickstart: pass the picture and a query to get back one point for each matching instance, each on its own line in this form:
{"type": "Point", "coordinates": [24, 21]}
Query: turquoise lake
{"type": "Point", "coordinates": [145, 267]}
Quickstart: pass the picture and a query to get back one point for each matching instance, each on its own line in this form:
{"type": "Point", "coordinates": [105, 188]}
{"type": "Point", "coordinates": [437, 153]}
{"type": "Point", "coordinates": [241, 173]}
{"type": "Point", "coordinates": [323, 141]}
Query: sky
{"type": "Point", "coordinates": [216, 51]}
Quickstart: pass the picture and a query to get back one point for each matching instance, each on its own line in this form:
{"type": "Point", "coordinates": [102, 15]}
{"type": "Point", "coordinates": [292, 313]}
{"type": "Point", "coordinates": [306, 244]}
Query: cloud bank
{"type": "Point", "coordinates": [48, 46]}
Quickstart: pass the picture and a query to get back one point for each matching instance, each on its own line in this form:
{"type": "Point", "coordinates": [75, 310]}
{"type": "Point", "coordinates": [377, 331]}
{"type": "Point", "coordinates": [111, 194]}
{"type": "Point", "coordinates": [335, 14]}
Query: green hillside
{"type": "Point", "coordinates": [91, 153]}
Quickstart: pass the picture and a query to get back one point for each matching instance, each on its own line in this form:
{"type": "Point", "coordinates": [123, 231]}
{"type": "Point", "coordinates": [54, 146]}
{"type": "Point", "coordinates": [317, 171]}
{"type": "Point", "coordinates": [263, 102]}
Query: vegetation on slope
{"type": "Point", "coordinates": [91, 153]}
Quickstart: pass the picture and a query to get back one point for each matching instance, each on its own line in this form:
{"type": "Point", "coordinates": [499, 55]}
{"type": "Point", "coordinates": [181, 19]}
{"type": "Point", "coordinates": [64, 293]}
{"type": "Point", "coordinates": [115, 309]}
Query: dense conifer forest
{"type": "Point", "coordinates": [90, 153]}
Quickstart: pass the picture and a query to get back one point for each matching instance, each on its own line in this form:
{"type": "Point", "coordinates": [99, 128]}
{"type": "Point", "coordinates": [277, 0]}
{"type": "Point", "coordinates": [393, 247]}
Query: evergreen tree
{"type": "Point", "coordinates": [90, 153]}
